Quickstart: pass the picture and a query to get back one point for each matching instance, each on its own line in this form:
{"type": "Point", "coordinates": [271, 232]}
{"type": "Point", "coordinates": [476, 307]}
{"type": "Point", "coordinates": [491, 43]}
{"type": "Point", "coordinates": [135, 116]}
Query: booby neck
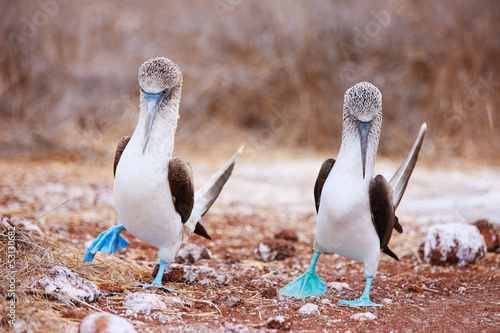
{"type": "Point", "coordinates": [350, 152]}
{"type": "Point", "coordinates": [165, 124]}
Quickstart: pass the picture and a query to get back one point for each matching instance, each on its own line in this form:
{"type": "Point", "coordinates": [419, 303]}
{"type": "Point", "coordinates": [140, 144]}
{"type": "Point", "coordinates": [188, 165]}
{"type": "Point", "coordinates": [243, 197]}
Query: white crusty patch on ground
{"type": "Point", "coordinates": [105, 323]}
{"type": "Point", "coordinates": [145, 303]}
{"type": "Point", "coordinates": [339, 286]}
{"type": "Point", "coordinates": [65, 285]}
{"type": "Point", "coordinates": [454, 239]}
{"type": "Point", "coordinates": [309, 309]}
{"type": "Point", "coordinates": [363, 316]}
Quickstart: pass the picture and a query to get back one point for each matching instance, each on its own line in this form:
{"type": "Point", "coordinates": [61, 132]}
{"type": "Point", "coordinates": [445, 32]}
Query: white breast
{"type": "Point", "coordinates": [344, 224]}
{"type": "Point", "coordinates": [142, 197]}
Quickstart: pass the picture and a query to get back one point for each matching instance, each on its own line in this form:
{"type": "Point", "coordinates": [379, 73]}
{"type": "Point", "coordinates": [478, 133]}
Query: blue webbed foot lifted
{"type": "Point", "coordinates": [108, 241]}
{"type": "Point", "coordinates": [308, 284]}
{"type": "Point", "coordinates": [364, 300]}
{"type": "Point", "coordinates": [158, 278]}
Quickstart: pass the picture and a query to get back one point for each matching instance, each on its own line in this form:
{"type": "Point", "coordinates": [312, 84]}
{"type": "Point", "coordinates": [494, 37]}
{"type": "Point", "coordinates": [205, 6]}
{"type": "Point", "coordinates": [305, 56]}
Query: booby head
{"type": "Point", "coordinates": [160, 79]}
{"type": "Point", "coordinates": [363, 104]}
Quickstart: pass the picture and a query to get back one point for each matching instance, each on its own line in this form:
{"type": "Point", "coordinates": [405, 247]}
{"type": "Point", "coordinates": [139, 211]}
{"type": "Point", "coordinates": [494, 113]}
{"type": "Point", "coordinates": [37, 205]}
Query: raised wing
{"type": "Point", "coordinates": [320, 181]}
{"type": "Point", "coordinates": [119, 150]}
{"type": "Point", "coordinates": [206, 195]}
{"type": "Point", "coordinates": [400, 179]}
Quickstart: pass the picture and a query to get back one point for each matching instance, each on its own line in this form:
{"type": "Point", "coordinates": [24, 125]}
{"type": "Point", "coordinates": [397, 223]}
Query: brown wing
{"type": "Point", "coordinates": [119, 150]}
{"type": "Point", "coordinates": [180, 179]}
{"type": "Point", "coordinates": [382, 208]}
{"type": "Point", "coordinates": [320, 181]}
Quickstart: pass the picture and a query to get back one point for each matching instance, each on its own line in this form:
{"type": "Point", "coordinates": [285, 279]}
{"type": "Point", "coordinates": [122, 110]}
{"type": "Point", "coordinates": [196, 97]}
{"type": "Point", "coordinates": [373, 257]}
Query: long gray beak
{"type": "Point", "coordinates": [364, 129]}
{"type": "Point", "coordinates": [153, 102]}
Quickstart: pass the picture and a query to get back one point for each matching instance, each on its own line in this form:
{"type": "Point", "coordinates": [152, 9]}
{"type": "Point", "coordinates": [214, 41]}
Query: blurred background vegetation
{"type": "Point", "coordinates": [271, 74]}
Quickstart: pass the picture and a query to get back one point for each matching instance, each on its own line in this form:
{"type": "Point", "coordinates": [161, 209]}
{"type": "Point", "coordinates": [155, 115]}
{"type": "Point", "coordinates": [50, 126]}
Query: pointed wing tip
{"type": "Point", "coordinates": [423, 128]}
{"type": "Point", "coordinates": [234, 158]}
{"type": "Point", "coordinates": [239, 151]}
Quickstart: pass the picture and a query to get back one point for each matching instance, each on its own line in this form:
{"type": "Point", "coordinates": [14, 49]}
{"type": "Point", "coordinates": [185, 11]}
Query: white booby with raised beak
{"type": "Point", "coordinates": [356, 213]}
{"type": "Point", "coordinates": [153, 192]}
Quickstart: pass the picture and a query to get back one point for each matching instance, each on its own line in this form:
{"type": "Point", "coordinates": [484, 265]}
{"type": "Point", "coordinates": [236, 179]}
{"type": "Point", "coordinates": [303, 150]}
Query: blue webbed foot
{"type": "Point", "coordinates": [308, 284]}
{"type": "Point", "coordinates": [108, 241]}
{"type": "Point", "coordinates": [364, 300]}
{"type": "Point", "coordinates": [158, 278]}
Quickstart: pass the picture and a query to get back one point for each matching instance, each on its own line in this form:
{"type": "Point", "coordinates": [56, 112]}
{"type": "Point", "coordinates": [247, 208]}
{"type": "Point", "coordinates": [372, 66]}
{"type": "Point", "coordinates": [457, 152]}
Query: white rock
{"type": "Point", "coordinates": [309, 309]}
{"type": "Point", "coordinates": [192, 253]}
{"type": "Point", "coordinates": [264, 253]}
{"type": "Point", "coordinates": [339, 286]}
{"type": "Point", "coordinates": [363, 316]}
{"type": "Point", "coordinates": [454, 243]}
{"type": "Point", "coordinates": [66, 284]}
{"type": "Point", "coordinates": [145, 303]}
{"type": "Point", "coordinates": [387, 301]}
{"type": "Point", "coordinates": [105, 323]}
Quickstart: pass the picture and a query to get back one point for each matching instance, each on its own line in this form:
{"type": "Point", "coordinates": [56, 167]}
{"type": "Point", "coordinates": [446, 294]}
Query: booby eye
{"type": "Point", "coordinates": [165, 91]}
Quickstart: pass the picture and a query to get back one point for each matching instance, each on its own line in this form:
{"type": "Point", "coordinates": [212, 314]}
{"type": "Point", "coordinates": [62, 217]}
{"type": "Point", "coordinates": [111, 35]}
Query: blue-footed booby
{"type": "Point", "coordinates": [356, 213]}
{"type": "Point", "coordinates": [153, 192]}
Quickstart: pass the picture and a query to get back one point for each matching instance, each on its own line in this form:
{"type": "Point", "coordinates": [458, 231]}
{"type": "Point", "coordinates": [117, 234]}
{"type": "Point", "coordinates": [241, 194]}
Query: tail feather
{"type": "Point", "coordinates": [200, 230]}
{"type": "Point", "coordinates": [390, 253]}
{"type": "Point", "coordinates": [208, 193]}
{"type": "Point", "coordinates": [400, 179]}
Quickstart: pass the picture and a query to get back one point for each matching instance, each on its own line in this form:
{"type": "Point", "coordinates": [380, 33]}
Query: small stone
{"type": "Point", "coordinates": [363, 316]}
{"type": "Point", "coordinates": [309, 309]}
{"type": "Point", "coordinates": [65, 286]}
{"type": "Point", "coordinates": [105, 323]}
{"type": "Point", "coordinates": [490, 235]}
{"type": "Point", "coordinates": [145, 303]}
{"type": "Point", "coordinates": [274, 249]}
{"type": "Point", "coordinates": [235, 328]}
{"type": "Point", "coordinates": [279, 323]}
{"type": "Point", "coordinates": [288, 235]}
{"type": "Point", "coordinates": [192, 253]}
{"type": "Point", "coordinates": [338, 286]}
{"type": "Point", "coordinates": [453, 243]}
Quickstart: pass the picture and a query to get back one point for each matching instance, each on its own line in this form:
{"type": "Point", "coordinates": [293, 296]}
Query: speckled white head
{"type": "Point", "coordinates": [363, 115]}
{"type": "Point", "coordinates": [161, 84]}
{"type": "Point", "coordinates": [363, 101]}
{"type": "Point", "coordinates": [158, 74]}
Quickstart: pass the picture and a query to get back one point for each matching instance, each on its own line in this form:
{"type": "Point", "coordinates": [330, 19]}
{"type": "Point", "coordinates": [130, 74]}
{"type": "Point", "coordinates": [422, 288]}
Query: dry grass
{"type": "Point", "coordinates": [270, 74]}
{"type": "Point", "coordinates": [34, 256]}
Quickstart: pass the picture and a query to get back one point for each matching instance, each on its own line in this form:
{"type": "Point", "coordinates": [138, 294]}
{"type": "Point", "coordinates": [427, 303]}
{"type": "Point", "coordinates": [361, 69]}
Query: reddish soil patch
{"type": "Point", "coordinates": [417, 297]}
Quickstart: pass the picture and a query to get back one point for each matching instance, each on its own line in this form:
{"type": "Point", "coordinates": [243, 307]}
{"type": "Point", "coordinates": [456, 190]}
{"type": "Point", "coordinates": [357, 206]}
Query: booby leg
{"type": "Point", "coordinates": [108, 241]}
{"type": "Point", "coordinates": [158, 278]}
{"type": "Point", "coordinates": [364, 300]}
{"type": "Point", "coordinates": [307, 284]}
